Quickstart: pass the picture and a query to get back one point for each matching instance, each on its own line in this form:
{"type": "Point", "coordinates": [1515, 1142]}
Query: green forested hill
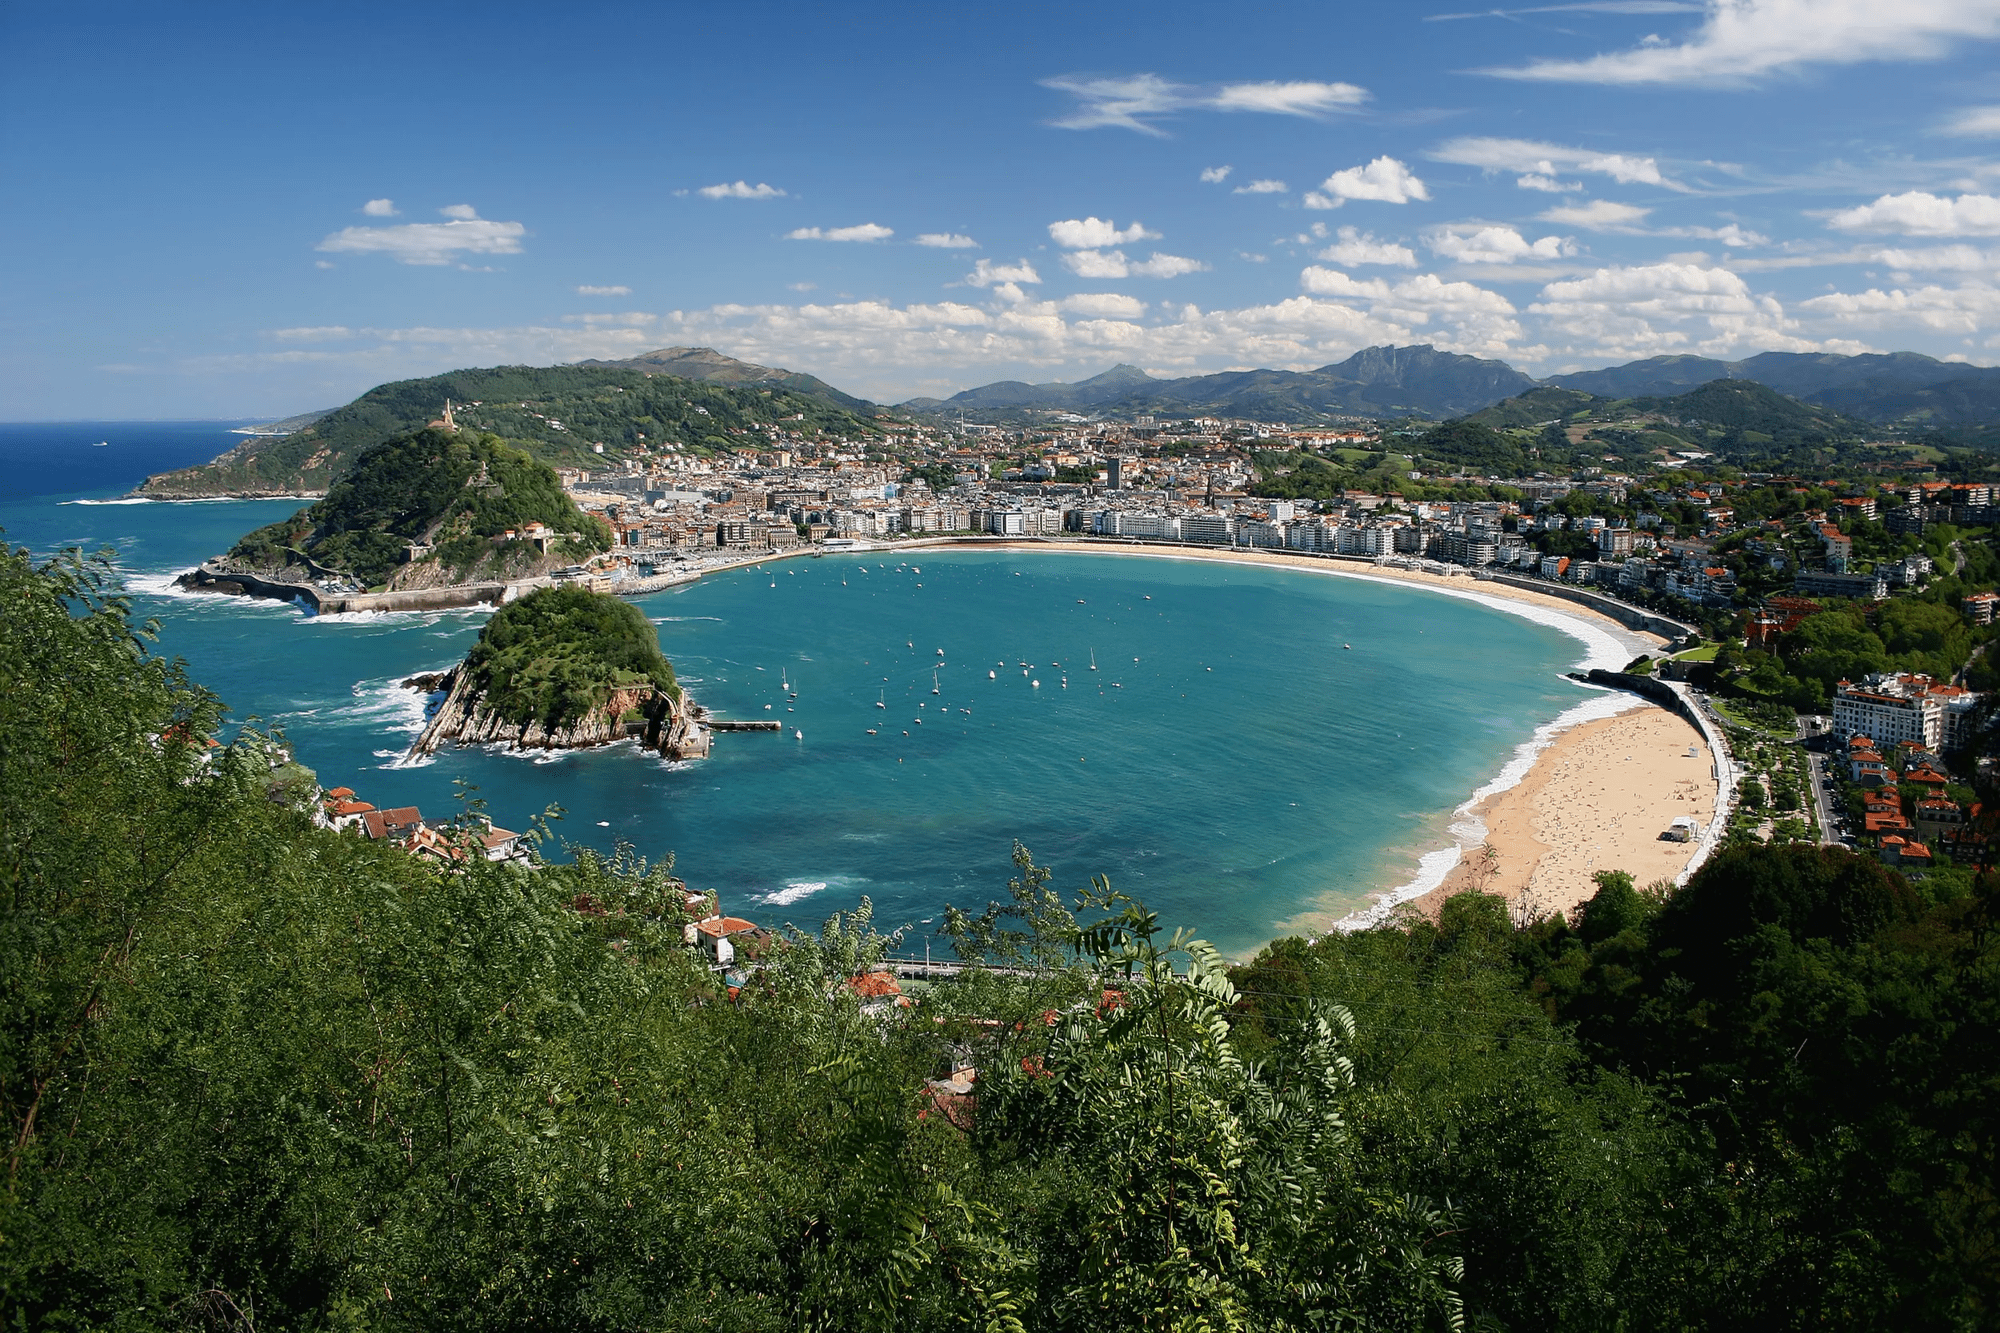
{"type": "Point", "coordinates": [257, 1073]}
{"type": "Point", "coordinates": [458, 492]}
{"type": "Point", "coordinates": [555, 413]}
{"type": "Point", "coordinates": [554, 655]}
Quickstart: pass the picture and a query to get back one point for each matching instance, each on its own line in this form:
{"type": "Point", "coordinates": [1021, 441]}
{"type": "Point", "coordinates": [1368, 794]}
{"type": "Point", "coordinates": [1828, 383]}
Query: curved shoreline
{"type": "Point", "coordinates": [1607, 644]}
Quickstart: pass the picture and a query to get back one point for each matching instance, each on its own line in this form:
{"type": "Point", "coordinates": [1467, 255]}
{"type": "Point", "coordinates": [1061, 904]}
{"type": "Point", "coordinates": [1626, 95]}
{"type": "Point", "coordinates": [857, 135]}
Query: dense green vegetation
{"type": "Point", "coordinates": [459, 492]}
{"type": "Point", "coordinates": [259, 1074]}
{"type": "Point", "coordinates": [555, 655]}
{"type": "Point", "coordinates": [555, 413]}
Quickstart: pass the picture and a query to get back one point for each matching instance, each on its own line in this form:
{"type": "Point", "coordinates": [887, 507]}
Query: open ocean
{"type": "Point", "coordinates": [1229, 761]}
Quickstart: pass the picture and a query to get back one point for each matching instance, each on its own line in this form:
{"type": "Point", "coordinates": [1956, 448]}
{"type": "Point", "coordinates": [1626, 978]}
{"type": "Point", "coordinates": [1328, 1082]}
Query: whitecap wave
{"type": "Point", "coordinates": [122, 500]}
{"type": "Point", "coordinates": [384, 705]}
{"type": "Point", "coordinates": [792, 893]}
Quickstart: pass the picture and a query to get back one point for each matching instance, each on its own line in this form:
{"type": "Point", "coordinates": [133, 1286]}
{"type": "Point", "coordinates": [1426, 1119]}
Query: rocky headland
{"type": "Point", "coordinates": [675, 727]}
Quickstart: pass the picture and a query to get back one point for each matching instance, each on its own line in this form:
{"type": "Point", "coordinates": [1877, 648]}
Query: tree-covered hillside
{"type": "Point", "coordinates": [554, 413]}
{"type": "Point", "coordinates": [555, 655]}
{"type": "Point", "coordinates": [459, 492]}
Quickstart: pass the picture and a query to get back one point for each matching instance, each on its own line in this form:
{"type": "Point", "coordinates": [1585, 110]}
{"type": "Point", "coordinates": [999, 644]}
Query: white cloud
{"type": "Point", "coordinates": [1358, 247]}
{"type": "Point", "coordinates": [1384, 180]}
{"type": "Point", "coordinates": [1969, 309]}
{"type": "Point", "coordinates": [1476, 243]}
{"type": "Point", "coordinates": [1979, 122]}
{"type": "Point", "coordinates": [1598, 215]}
{"type": "Point", "coordinates": [1215, 175]}
{"type": "Point", "coordinates": [380, 208]}
{"type": "Point", "coordinates": [431, 243]}
{"type": "Point", "coordinates": [1731, 234]}
{"type": "Point", "coordinates": [604, 291]}
{"type": "Point", "coordinates": [1137, 101]}
{"type": "Point", "coordinates": [986, 273]}
{"type": "Point", "coordinates": [1944, 258]}
{"type": "Point", "coordinates": [1263, 187]}
{"type": "Point", "coordinates": [1547, 184]}
{"type": "Point", "coordinates": [1742, 40]}
{"type": "Point", "coordinates": [1918, 213]}
{"type": "Point", "coordinates": [1094, 233]}
{"type": "Point", "coordinates": [1114, 264]}
{"type": "Point", "coordinates": [623, 319]}
{"type": "Point", "coordinates": [1582, 6]}
{"type": "Point", "coordinates": [741, 190]}
{"type": "Point", "coordinates": [866, 231]}
{"type": "Point", "coordinates": [1540, 163]}
{"type": "Point", "coordinates": [1103, 305]}
{"type": "Point", "coordinates": [947, 240]}
{"type": "Point", "coordinates": [1480, 318]}
{"type": "Point", "coordinates": [316, 333]}
{"type": "Point", "coordinates": [1288, 99]}
{"type": "Point", "coordinates": [1656, 308]}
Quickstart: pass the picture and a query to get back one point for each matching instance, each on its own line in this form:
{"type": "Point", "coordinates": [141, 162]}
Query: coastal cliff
{"type": "Point", "coordinates": [672, 726]}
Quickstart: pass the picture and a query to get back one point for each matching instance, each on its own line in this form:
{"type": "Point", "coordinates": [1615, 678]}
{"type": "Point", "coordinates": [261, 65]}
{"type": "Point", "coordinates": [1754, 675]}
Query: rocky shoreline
{"type": "Point", "coordinates": [675, 728]}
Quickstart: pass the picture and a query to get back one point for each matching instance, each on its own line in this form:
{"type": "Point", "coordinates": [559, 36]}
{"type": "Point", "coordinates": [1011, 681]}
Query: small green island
{"type": "Point", "coordinates": [435, 508]}
{"type": "Point", "coordinates": [564, 668]}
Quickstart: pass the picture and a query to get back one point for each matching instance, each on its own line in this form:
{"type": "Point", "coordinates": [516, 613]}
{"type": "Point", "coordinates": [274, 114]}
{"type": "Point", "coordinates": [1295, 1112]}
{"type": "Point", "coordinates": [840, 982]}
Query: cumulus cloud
{"type": "Point", "coordinates": [1963, 310]}
{"type": "Point", "coordinates": [431, 243]}
{"type": "Point", "coordinates": [1384, 180]}
{"type": "Point", "coordinates": [380, 208]}
{"type": "Point", "coordinates": [1598, 215]}
{"type": "Point", "coordinates": [1481, 318]}
{"type": "Point", "coordinates": [1359, 247]}
{"type": "Point", "coordinates": [1263, 187]}
{"type": "Point", "coordinates": [1103, 305]}
{"type": "Point", "coordinates": [986, 273]}
{"type": "Point", "coordinates": [1138, 101]}
{"type": "Point", "coordinates": [1581, 6]}
{"type": "Point", "coordinates": [1095, 233]}
{"type": "Point", "coordinates": [740, 190]}
{"type": "Point", "coordinates": [1944, 258]}
{"type": "Point", "coordinates": [1113, 264]}
{"type": "Point", "coordinates": [1215, 175]}
{"type": "Point", "coordinates": [947, 240]}
{"type": "Point", "coordinates": [604, 291]}
{"type": "Point", "coordinates": [1657, 308]}
{"type": "Point", "coordinates": [1743, 40]}
{"type": "Point", "coordinates": [866, 231]}
{"type": "Point", "coordinates": [1476, 243]}
{"type": "Point", "coordinates": [1535, 180]}
{"type": "Point", "coordinates": [1979, 122]}
{"type": "Point", "coordinates": [1538, 164]}
{"type": "Point", "coordinates": [1918, 213]}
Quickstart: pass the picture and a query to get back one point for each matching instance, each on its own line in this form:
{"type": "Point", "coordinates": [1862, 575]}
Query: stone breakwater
{"type": "Point", "coordinates": [674, 727]}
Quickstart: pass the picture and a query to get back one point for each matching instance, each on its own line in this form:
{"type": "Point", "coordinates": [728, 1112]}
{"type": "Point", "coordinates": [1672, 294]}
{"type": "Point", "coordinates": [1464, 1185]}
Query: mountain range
{"type": "Point", "coordinates": [1421, 381]}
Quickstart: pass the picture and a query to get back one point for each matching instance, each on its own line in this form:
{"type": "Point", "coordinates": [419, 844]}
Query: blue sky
{"type": "Point", "coordinates": [222, 209]}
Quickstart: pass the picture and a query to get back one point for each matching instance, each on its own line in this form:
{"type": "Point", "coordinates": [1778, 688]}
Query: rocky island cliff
{"type": "Point", "coordinates": [563, 668]}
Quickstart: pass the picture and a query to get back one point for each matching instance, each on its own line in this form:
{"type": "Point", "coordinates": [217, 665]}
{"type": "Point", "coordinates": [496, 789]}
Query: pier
{"type": "Point", "coordinates": [759, 725]}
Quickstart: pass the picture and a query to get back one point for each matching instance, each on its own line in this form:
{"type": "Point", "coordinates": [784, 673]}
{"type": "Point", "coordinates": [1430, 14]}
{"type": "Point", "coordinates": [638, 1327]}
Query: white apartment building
{"type": "Point", "coordinates": [1890, 709]}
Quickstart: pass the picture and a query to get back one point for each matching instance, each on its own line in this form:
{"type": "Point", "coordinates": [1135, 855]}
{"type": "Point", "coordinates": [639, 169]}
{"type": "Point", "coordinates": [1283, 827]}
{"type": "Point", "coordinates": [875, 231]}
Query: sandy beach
{"type": "Point", "coordinates": [1597, 799]}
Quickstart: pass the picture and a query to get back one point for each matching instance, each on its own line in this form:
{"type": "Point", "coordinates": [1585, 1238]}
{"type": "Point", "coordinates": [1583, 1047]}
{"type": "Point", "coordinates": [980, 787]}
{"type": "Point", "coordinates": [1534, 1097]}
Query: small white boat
{"type": "Point", "coordinates": [871, 731]}
{"type": "Point", "coordinates": [991, 675]}
{"type": "Point", "coordinates": [940, 652]}
{"type": "Point", "coordinates": [102, 444]}
{"type": "Point", "coordinates": [917, 721]}
{"type": "Point", "coordinates": [798, 735]}
{"type": "Point", "coordinates": [1093, 659]}
{"type": "Point", "coordinates": [1036, 683]}
{"type": "Point", "coordinates": [767, 708]}
{"type": "Point", "coordinates": [1348, 647]}
{"type": "Point", "coordinates": [916, 569]}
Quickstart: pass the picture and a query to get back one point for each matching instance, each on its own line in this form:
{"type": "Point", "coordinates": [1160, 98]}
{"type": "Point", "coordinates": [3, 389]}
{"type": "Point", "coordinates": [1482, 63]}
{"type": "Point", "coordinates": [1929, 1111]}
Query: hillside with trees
{"type": "Point", "coordinates": [458, 493]}
{"type": "Point", "coordinates": [258, 1072]}
{"type": "Point", "coordinates": [557, 414]}
{"type": "Point", "coordinates": [556, 654]}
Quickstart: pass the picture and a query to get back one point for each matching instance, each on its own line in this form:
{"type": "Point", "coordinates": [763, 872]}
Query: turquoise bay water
{"type": "Point", "coordinates": [1229, 761]}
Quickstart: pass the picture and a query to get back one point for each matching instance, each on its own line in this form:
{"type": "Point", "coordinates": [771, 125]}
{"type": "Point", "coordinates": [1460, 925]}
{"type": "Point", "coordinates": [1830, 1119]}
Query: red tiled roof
{"type": "Point", "coordinates": [874, 985]}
